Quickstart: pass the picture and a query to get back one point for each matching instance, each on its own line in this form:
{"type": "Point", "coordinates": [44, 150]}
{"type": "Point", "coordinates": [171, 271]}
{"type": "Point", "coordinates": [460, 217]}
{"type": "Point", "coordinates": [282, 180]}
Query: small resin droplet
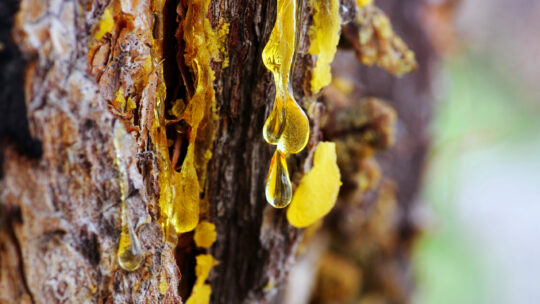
{"type": "Point", "coordinates": [130, 254]}
{"type": "Point", "coordinates": [278, 184]}
{"type": "Point", "coordinates": [275, 123]}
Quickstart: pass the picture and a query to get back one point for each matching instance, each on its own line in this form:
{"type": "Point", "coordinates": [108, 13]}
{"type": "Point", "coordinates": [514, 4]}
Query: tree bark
{"type": "Point", "coordinates": [61, 211]}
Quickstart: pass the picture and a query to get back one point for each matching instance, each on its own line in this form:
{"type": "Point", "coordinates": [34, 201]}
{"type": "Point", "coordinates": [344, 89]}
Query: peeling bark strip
{"type": "Point", "coordinates": [95, 65]}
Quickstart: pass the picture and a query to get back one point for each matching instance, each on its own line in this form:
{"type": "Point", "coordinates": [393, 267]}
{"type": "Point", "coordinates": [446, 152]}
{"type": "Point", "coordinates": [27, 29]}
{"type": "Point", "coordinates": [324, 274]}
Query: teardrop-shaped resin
{"type": "Point", "coordinates": [278, 184]}
{"type": "Point", "coordinates": [130, 253]}
{"type": "Point", "coordinates": [275, 123]}
{"type": "Point", "coordinates": [295, 133]}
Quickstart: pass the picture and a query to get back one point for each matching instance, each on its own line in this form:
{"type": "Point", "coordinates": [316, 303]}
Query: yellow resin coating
{"type": "Point", "coordinates": [205, 234]}
{"type": "Point", "coordinates": [279, 51]}
{"type": "Point", "coordinates": [105, 24]}
{"type": "Point", "coordinates": [202, 45]}
{"type": "Point", "coordinates": [130, 104]}
{"type": "Point", "coordinates": [201, 292]}
{"type": "Point", "coordinates": [163, 285]}
{"type": "Point", "coordinates": [179, 198]}
{"type": "Point", "coordinates": [119, 101]}
{"type": "Point", "coordinates": [318, 189]}
{"type": "Point", "coordinates": [324, 37]}
{"type": "Point", "coordinates": [185, 214]}
{"type": "Point", "coordinates": [278, 184]}
{"type": "Point", "coordinates": [205, 262]}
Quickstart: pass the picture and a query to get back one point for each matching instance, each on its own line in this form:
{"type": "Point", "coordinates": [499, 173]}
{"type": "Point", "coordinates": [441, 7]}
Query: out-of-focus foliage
{"type": "Point", "coordinates": [480, 114]}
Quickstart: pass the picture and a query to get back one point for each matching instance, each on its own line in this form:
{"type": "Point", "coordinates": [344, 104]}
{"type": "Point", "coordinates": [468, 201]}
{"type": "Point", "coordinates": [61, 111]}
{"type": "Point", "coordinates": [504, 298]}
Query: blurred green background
{"type": "Point", "coordinates": [481, 196]}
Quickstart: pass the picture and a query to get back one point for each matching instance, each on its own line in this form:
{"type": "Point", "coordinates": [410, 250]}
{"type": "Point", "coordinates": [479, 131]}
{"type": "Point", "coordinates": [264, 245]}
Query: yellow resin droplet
{"type": "Point", "coordinates": [362, 3]}
{"type": "Point", "coordinates": [275, 123]}
{"type": "Point", "coordinates": [318, 189]}
{"type": "Point", "coordinates": [205, 234]}
{"type": "Point", "coordinates": [287, 126]}
{"type": "Point", "coordinates": [202, 45]}
{"type": "Point", "coordinates": [295, 133]}
{"type": "Point", "coordinates": [185, 215]}
{"type": "Point", "coordinates": [278, 184]}
{"type": "Point", "coordinates": [324, 37]}
{"type": "Point", "coordinates": [130, 253]}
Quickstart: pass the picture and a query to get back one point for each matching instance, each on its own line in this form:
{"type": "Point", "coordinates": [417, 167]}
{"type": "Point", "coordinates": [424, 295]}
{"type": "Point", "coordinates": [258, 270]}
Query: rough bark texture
{"type": "Point", "coordinates": [60, 215]}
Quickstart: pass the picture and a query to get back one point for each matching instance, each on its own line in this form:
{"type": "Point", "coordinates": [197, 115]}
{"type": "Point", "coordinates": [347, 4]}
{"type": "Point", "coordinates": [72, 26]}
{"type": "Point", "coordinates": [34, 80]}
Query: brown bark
{"type": "Point", "coordinates": [61, 213]}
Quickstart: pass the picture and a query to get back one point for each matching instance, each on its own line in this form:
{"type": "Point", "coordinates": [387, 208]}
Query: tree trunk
{"type": "Point", "coordinates": [101, 80]}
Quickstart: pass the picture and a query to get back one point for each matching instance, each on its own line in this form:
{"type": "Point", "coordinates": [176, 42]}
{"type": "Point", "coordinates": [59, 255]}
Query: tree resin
{"type": "Point", "coordinates": [278, 184]}
{"type": "Point", "coordinates": [130, 253]}
{"type": "Point", "coordinates": [287, 126]}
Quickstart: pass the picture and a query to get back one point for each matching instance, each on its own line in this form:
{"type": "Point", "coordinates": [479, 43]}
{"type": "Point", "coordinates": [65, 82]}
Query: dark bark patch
{"type": "Point", "coordinates": [13, 119]}
{"type": "Point", "coordinates": [89, 246]}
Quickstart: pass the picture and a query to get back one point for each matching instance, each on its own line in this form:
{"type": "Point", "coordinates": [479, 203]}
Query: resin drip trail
{"type": "Point", "coordinates": [287, 126]}
{"type": "Point", "coordinates": [130, 253]}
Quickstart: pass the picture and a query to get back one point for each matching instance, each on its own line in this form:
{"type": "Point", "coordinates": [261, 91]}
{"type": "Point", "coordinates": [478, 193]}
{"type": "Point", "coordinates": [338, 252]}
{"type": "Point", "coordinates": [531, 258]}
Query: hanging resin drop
{"type": "Point", "coordinates": [130, 253]}
{"type": "Point", "coordinates": [295, 133]}
{"type": "Point", "coordinates": [278, 184]}
{"type": "Point", "coordinates": [275, 123]}
{"type": "Point", "coordinates": [287, 125]}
